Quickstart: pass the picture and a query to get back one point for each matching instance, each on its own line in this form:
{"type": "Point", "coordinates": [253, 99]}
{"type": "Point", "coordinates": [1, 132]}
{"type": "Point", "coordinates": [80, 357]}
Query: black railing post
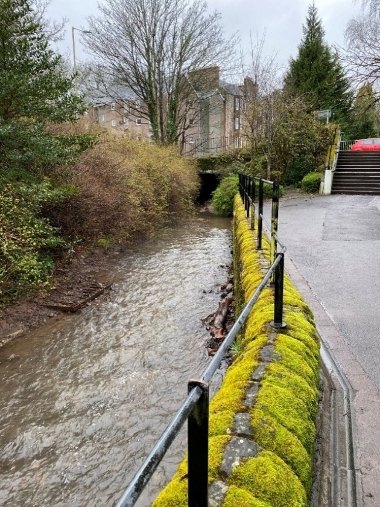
{"type": "Point", "coordinates": [198, 447]}
{"type": "Point", "coordinates": [246, 199]}
{"type": "Point", "coordinates": [274, 220]}
{"type": "Point", "coordinates": [247, 193]}
{"type": "Point", "coordinates": [277, 321]}
{"type": "Point", "coordinates": [260, 219]}
{"type": "Point", "coordinates": [253, 187]}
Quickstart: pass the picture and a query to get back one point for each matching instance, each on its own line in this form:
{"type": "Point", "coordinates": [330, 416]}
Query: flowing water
{"type": "Point", "coordinates": [86, 396]}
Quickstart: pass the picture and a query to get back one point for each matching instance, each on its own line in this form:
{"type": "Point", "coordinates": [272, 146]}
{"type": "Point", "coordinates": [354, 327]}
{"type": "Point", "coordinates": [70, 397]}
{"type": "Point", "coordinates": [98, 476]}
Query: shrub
{"type": "Point", "coordinates": [311, 183]}
{"type": "Point", "coordinates": [127, 187]}
{"type": "Point", "coordinates": [27, 239]}
{"type": "Point", "coordinates": [268, 190]}
{"type": "Point", "coordinates": [223, 196]}
{"type": "Point", "coordinates": [118, 189]}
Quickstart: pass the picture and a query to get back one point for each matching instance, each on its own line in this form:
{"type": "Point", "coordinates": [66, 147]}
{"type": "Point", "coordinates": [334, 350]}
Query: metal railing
{"type": "Point", "coordinates": [252, 193]}
{"type": "Point", "coordinates": [207, 146]}
{"type": "Point", "coordinates": [195, 408]}
{"type": "Point", "coordinates": [345, 145]}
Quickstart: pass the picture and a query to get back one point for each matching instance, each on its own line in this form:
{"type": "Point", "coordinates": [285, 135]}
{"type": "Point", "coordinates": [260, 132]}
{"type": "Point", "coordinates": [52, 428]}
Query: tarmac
{"type": "Point", "coordinates": [333, 258]}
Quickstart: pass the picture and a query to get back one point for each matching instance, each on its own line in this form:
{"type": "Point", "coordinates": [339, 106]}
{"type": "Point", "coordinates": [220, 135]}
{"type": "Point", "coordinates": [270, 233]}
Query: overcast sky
{"type": "Point", "coordinates": [281, 20]}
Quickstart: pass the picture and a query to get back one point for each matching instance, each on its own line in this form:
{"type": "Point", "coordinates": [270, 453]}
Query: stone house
{"type": "Point", "coordinates": [121, 113]}
{"type": "Point", "coordinates": [214, 114]}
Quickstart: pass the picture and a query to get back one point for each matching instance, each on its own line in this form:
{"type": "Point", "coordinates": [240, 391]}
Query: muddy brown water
{"type": "Point", "coordinates": [86, 396]}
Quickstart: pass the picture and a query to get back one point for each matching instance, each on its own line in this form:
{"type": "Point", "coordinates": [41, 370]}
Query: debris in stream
{"type": "Point", "coordinates": [77, 296]}
{"type": "Point", "coordinates": [220, 322]}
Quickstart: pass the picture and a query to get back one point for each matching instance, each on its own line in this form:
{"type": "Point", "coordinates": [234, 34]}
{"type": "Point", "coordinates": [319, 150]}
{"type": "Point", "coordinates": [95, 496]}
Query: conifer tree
{"type": "Point", "coordinates": [35, 91]}
{"type": "Point", "coordinates": [364, 114]}
{"type": "Point", "coordinates": [316, 74]}
{"type": "Point", "coordinates": [35, 96]}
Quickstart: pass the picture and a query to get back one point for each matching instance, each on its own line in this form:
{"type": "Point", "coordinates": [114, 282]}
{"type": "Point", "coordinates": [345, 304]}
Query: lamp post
{"type": "Point", "coordinates": [74, 58]}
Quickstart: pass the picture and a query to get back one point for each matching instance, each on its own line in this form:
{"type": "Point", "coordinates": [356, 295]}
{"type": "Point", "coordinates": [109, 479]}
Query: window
{"type": "Point", "coordinates": [237, 104]}
{"type": "Point", "coordinates": [113, 106]}
{"type": "Point", "coordinates": [127, 107]}
{"type": "Point", "coordinates": [191, 121]}
{"type": "Point", "coordinates": [113, 123]}
{"type": "Point", "coordinates": [137, 104]}
{"type": "Point", "coordinates": [237, 123]}
{"type": "Point", "coordinates": [126, 123]}
{"type": "Point", "coordinates": [190, 104]}
{"type": "Point", "coordinates": [102, 118]}
{"type": "Point", "coordinates": [190, 140]}
{"type": "Point", "coordinates": [138, 121]}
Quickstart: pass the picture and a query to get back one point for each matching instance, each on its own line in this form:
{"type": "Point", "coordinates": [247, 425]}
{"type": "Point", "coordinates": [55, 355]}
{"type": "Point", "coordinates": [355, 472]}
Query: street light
{"type": "Point", "coordinates": [74, 58]}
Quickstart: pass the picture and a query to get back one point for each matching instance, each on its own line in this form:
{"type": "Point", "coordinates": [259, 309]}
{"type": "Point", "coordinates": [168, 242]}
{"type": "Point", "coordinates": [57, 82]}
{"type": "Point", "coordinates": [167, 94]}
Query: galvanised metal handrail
{"type": "Point", "coordinates": [345, 145]}
{"type": "Point", "coordinates": [195, 408]}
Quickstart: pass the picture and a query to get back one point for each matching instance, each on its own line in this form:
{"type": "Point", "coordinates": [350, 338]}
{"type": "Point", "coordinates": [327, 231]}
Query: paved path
{"type": "Point", "coordinates": [334, 259]}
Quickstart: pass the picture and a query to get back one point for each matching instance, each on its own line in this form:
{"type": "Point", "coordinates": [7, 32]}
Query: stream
{"type": "Point", "coordinates": [86, 396]}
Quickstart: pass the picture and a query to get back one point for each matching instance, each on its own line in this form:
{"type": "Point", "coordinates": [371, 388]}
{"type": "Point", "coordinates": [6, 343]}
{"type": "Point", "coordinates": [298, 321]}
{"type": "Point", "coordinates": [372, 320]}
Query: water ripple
{"type": "Point", "coordinates": [91, 393]}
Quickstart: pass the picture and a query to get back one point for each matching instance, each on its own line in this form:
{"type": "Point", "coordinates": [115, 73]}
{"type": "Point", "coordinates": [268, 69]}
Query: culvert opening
{"type": "Point", "coordinates": [209, 183]}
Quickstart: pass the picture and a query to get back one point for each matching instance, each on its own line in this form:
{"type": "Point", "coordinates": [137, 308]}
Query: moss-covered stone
{"type": "Point", "coordinates": [236, 497]}
{"type": "Point", "coordinates": [271, 435]}
{"type": "Point", "coordinates": [269, 479]}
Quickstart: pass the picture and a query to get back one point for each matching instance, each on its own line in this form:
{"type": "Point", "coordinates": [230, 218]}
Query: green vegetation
{"type": "Point", "coordinates": [35, 95]}
{"type": "Point", "coordinates": [119, 188]}
{"type": "Point", "coordinates": [311, 183]}
{"type": "Point", "coordinates": [317, 74]}
{"type": "Point", "coordinates": [364, 115]}
{"type": "Point", "coordinates": [223, 197]}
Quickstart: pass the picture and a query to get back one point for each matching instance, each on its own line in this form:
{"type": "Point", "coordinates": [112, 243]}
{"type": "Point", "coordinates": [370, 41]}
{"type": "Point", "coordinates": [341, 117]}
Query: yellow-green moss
{"type": "Point", "coordinates": [287, 350]}
{"type": "Point", "coordinates": [271, 435]}
{"type": "Point", "coordinates": [268, 478]}
{"type": "Point", "coordinates": [175, 493]}
{"type": "Point", "coordinates": [221, 422]}
{"type": "Point", "coordinates": [217, 445]}
{"type": "Point", "coordinates": [289, 410]}
{"type": "Point", "coordinates": [278, 374]}
{"type": "Point", "coordinates": [236, 497]}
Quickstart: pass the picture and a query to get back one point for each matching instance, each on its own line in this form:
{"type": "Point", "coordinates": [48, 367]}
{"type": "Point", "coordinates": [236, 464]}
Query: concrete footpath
{"type": "Point", "coordinates": [333, 258]}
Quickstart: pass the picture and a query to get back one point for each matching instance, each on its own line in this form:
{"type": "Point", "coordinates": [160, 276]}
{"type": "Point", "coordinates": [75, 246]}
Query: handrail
{"type": "Point", "coordinates": [247, 188]}
{"type": "Point", "coordinates": [195, 408]}
{"type": "Point", "coordinates": [147, 469]}
{"type": "Point", "coordinates": [346, 145]}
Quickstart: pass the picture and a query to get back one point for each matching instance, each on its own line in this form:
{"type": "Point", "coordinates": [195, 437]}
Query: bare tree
{"type": "Point", "coordinates": [363, 44]}
{"type": "Point", "coordinates": [262, 101]}
{"type": "Point", "coordinates": [160, 50]}
{"type": "Point", "coordinates": [283, 134]}
{"type": "Point", "coordinates": [54, 30]}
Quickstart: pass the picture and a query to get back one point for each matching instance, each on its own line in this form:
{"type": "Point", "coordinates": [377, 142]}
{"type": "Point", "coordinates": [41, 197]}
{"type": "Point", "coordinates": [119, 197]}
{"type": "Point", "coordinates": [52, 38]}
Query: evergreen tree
{"type": "Point", "coordinates": [34, 91]}
{"type": "Point", "coordinates": [35, 96]}
{"type": "Point", "coordinates": [364, 115]}
{"type": "Point", "coordinates": [316, 74]}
